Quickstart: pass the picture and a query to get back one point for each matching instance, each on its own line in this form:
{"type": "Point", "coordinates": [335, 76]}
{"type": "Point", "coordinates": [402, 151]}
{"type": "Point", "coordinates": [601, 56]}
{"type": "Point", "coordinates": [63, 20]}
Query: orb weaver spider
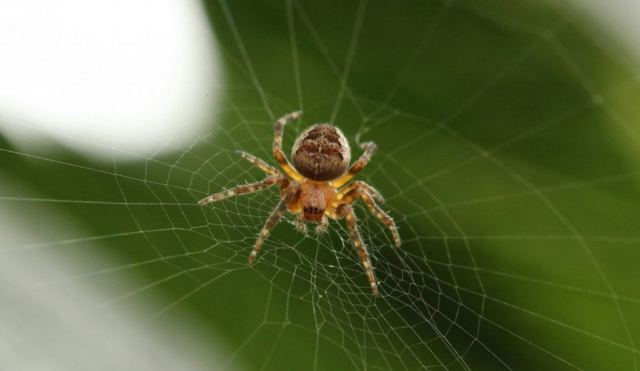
{"type": "Point", "coordinates": [316, 187]}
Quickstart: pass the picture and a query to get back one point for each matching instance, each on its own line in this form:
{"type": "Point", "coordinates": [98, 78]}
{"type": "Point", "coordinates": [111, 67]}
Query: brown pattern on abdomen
{"type": "Point", "coordinates": [321, 153]}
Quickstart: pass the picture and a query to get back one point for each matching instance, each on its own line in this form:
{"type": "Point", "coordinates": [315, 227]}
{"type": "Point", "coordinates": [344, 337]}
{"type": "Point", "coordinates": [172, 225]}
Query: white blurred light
{"type": "Point", "coordinates": [61, 312]}
{"type": "Point", "coordinates": [619, 18]}
{"type": "Point", "coordinates": [132, 74]}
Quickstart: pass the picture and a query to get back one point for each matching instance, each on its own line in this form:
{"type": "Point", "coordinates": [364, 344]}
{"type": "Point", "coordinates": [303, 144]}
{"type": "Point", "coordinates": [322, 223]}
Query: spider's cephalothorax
{"type": "Point", "coordinates": [316, 186]}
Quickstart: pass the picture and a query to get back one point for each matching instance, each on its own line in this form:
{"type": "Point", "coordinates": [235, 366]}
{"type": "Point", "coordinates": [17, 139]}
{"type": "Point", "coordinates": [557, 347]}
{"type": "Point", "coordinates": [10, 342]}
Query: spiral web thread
{"type": "Point", "coordinates": [435, 307]}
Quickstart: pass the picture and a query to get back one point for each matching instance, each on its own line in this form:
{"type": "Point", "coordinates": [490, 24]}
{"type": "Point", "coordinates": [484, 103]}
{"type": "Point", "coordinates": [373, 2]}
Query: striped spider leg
{"type": "Point", "coordinates": [242, 189]}
{"type": "Point", "coordinates": [290, 194]}
{"type": "Point", "coordinates": [344, 210]}
{"type": "Point", "coordinates": [369, 195]}
{"type": "Point", "coordinates": [289, 191]}
{"type": "Point", "coordinates": [370, 149]}
{"type": "Point", "coordinates": [278, 154]}
{"type": "Point", "coordinates": [315, 186]}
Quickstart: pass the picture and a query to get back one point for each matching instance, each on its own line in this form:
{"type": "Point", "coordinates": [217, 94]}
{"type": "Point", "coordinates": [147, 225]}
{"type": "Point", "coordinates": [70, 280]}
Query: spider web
{"type": "Point", "coordinates": [514, 193]}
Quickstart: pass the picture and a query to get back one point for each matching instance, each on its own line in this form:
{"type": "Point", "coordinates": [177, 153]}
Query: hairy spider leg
{"type": "Point", "coordinates": [259, 163]}
{"type": "Point", "coordinates": [346, 212]}
{"type": "Point", "coordinates": [277, 145]}
{"type": "Point", "coordinates": [358, 184]}
{"type": "Point", "coordinates": [370, 149]}
{"type": "Point", "coordinates": [290, 193]}
{"type": "Point", "coordinates": [361, 190]}
{"type": "Point", "coordinates": [242, 189]}
{"type": "Point", "coordinates": [323, 226]}
{"type": "Point", "coordinates": [300, 224]}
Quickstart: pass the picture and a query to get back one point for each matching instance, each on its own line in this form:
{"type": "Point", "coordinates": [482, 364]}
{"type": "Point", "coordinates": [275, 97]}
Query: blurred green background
{"type": "Point", "coordinates": [509, 157]}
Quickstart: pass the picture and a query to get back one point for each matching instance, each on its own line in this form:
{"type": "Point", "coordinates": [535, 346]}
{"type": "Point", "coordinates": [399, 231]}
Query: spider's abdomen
{"type": "Point", "coordinates": [321, 153]}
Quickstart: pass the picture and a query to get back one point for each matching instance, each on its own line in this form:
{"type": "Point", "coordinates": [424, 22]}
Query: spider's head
{"type": "Point", "coordinates": [321, 153]}
{"type": "Point", "coordinates": [315, 198]}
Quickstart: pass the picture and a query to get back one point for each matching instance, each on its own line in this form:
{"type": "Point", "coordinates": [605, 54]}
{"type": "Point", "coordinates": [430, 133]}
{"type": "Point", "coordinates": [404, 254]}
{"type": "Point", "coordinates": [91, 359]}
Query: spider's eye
{"type": "Point", "coordinates": [313, 210]}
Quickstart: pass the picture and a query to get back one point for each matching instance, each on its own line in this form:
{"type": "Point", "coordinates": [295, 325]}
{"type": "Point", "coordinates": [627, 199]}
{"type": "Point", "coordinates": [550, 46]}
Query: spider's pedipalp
{"type": "Point", "coordinates": [242, 189]}
{"type": "Point", "coordinates": [259, 163]}
{"type": "Point", "coordinates": [289, 194]}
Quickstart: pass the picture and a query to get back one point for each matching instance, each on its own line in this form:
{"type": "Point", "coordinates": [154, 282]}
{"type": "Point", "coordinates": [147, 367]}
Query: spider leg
{"type": "Point", "coordinates": [323, 226]}
{"type": "Point", "coordinates": [277, 145]}
{"type": "Point", "coordinates": [242, 189]}
{"type": "Point", "coordinates": [361, 185]}
{"type": "Point", "coordinates": [346, 211]}
{"type": "Point", "coordinates": [300, 225]}
{"type": "Point", "coordinates": [369, 149]}
{"type": "Point", "coordinates": [361, 190]}
{"type": "Point", "coordinates": [289, 194]}
{"type": "Point", "coordinates": [259, 163]}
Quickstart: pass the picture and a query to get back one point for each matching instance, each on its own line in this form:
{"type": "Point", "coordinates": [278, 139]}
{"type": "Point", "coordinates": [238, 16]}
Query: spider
{"type": "Point", "coordinates": [316, 187]}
